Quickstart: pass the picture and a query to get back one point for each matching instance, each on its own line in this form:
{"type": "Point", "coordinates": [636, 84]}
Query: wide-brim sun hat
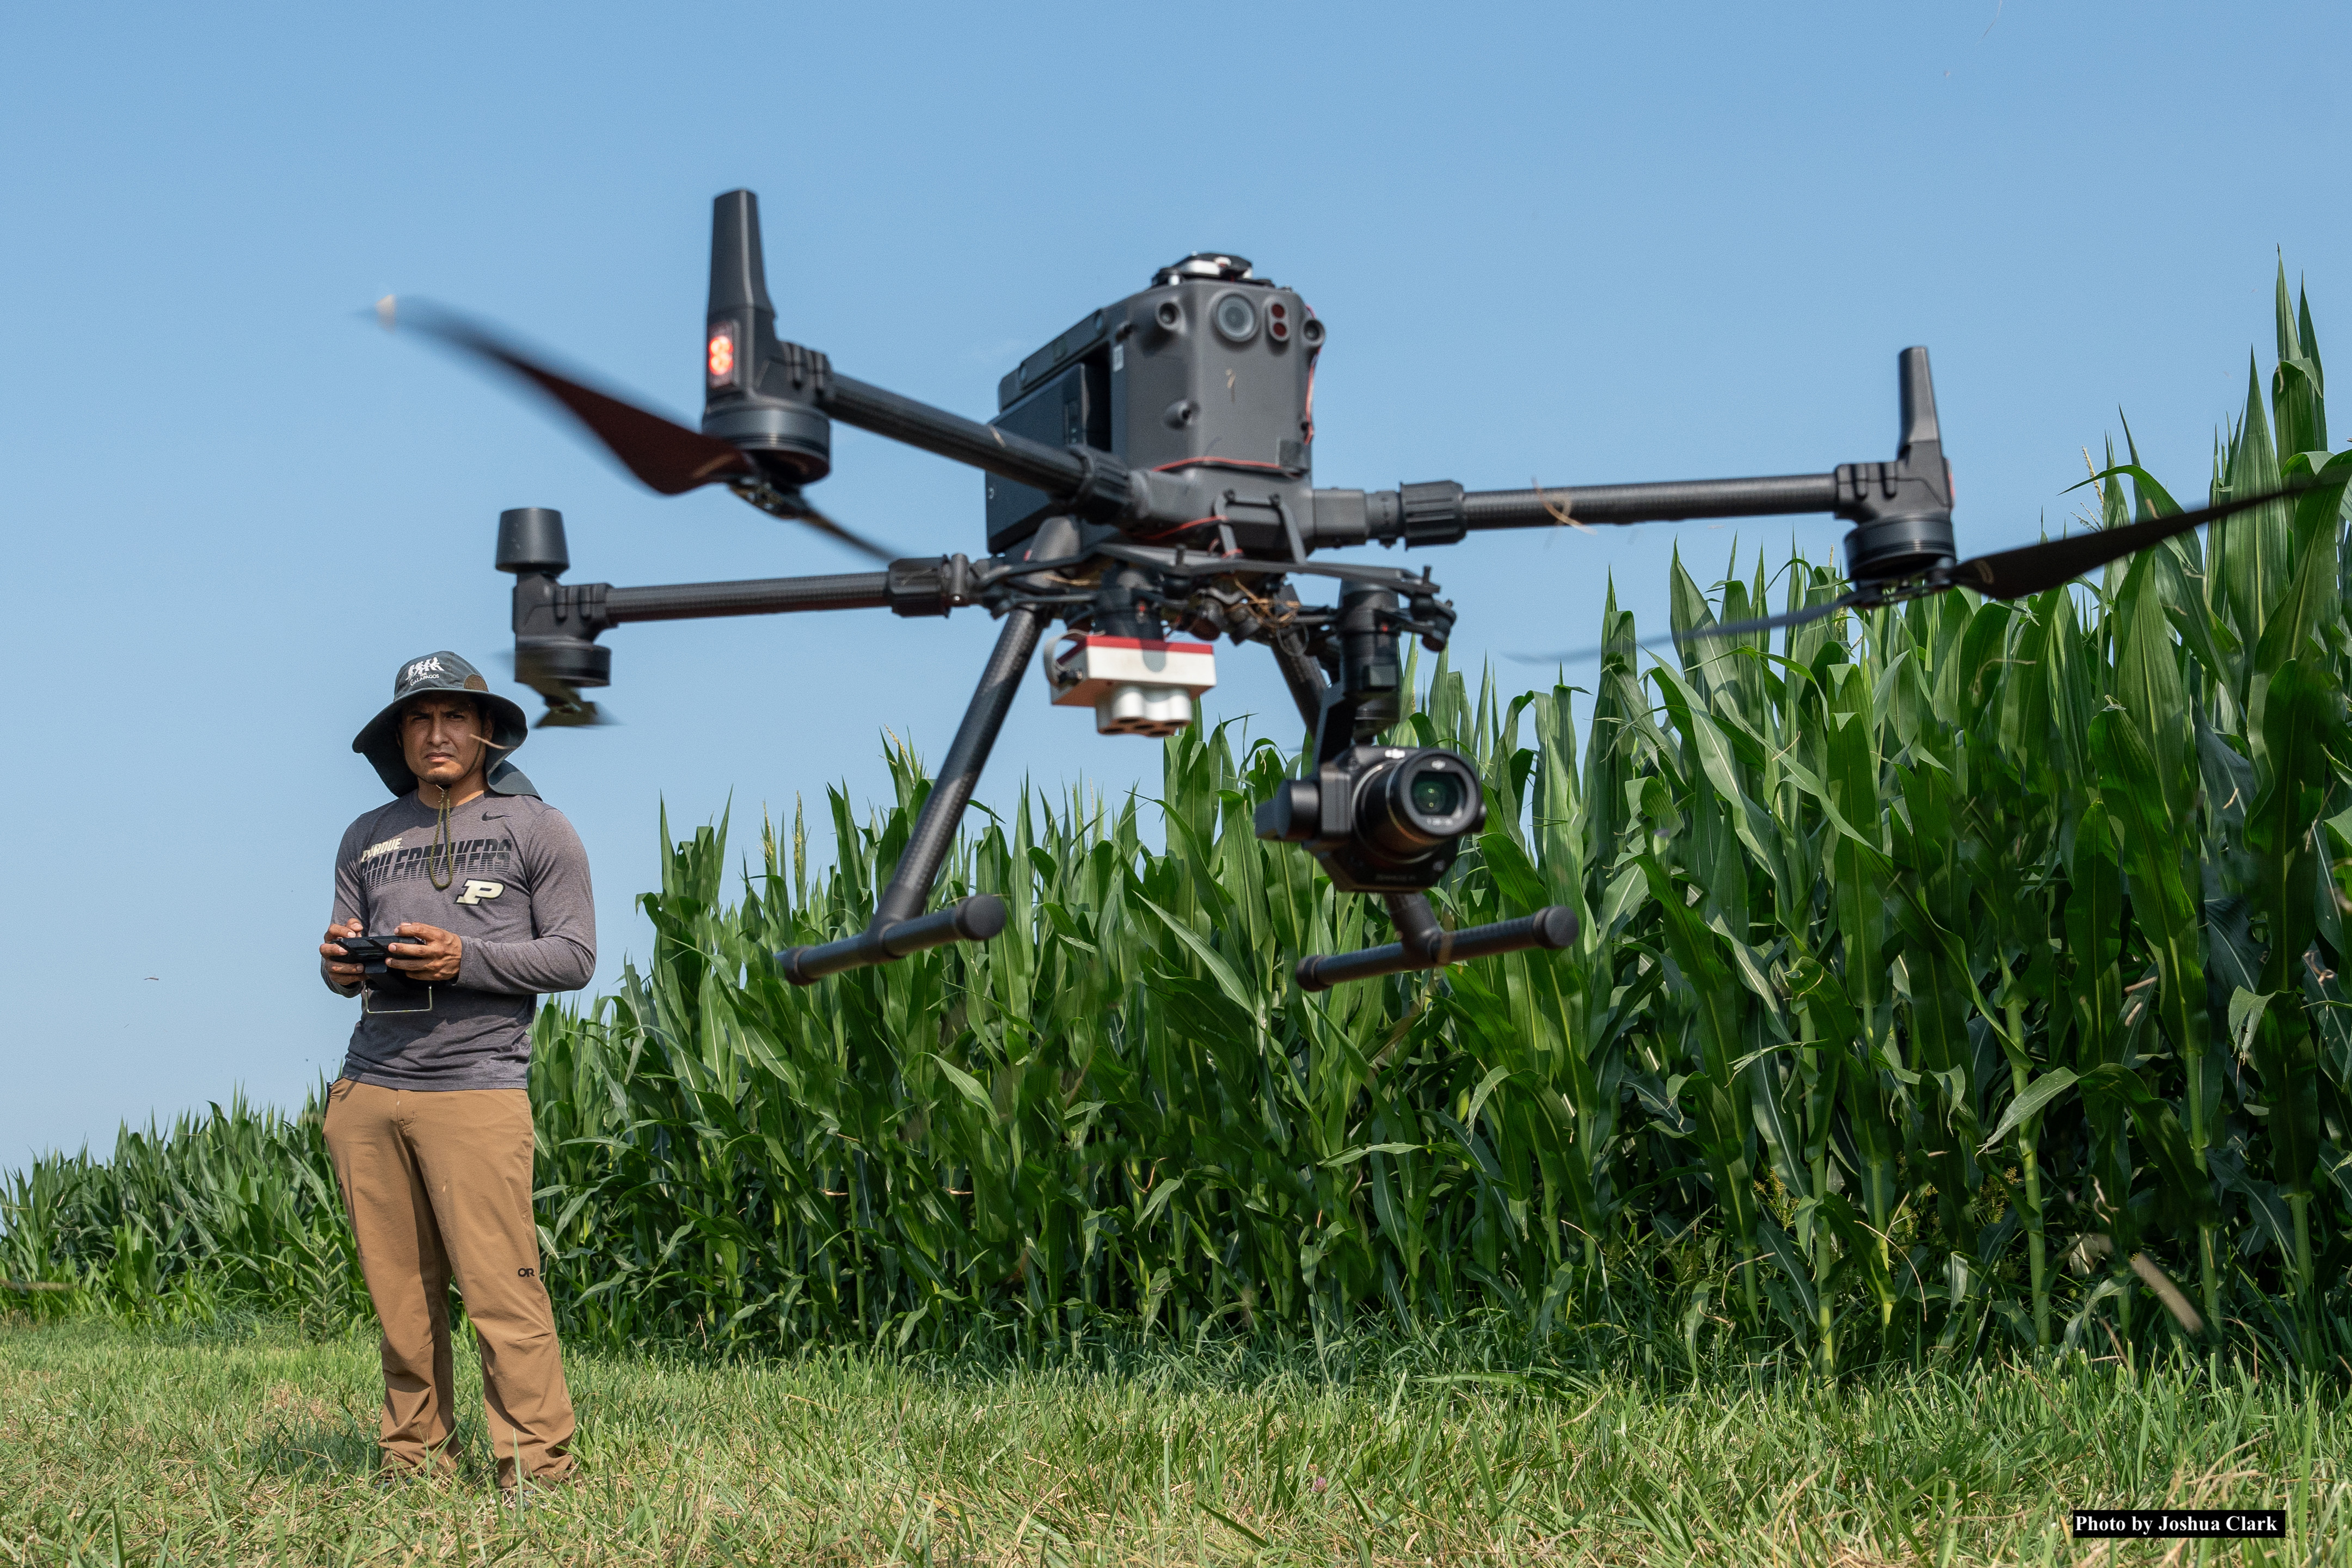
{"type": "Point", "coordinates": [379, 739]}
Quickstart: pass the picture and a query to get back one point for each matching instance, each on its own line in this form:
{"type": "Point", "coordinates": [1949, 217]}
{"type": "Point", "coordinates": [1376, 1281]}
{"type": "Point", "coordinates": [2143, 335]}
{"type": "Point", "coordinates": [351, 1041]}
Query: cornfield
{"type": "Point", "coordinates": [1956, 979]}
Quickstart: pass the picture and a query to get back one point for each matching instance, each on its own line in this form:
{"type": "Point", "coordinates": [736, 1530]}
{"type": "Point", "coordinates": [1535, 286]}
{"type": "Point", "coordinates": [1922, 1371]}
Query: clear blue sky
{"type": "Point", "coordinates": [1586, 244]}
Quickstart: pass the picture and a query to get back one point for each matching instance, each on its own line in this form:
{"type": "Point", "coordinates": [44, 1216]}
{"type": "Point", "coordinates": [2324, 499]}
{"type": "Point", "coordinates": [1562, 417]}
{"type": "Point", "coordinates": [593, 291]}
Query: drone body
{"type": "Point", "coordinates": [1210, 371]}
{"type": "Point", "coordinates": [1150, 486]}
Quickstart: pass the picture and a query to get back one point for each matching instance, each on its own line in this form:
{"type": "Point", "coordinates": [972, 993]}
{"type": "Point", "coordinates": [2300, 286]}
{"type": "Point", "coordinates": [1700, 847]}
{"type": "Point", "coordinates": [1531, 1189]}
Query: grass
{"type": "Point", "coordinates": [253, 1444]}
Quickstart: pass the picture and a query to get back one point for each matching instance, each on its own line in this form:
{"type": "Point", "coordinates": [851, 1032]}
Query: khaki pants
{"type": "Point", "coordinates": [438, 1187]}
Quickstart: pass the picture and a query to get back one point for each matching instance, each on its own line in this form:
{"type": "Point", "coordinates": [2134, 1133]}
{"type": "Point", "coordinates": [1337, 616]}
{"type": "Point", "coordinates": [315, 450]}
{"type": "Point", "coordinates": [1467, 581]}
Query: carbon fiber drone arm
{"type": "Point", "coordinates": [1098, 486]}
{"type": "Point", "coordinates": [1902, 511]}
{"type": "Point", "coordinates": [922, 585]}
{"type": "Point", "coordinates": [545, 608]}
{"type": "Point", "coordinates": [556, 623]}
{"type": "Point", "coordinates": [1443, 513]}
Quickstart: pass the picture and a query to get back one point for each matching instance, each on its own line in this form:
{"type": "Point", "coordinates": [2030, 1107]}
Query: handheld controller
{"type": "Point", "coordinates": [370, 953]}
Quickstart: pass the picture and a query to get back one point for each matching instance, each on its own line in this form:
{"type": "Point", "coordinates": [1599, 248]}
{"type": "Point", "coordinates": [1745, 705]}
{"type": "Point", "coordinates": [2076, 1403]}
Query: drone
{"type": "Point", "coordinates": [1150, 487]}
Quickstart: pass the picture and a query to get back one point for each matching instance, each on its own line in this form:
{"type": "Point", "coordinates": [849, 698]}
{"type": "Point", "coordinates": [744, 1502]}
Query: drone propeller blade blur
{"type": "Point", "coordinates": [823, 524]}
{"type": "Point", "coordinates": [2004, 574]}
{"type": "Point", "coordinates": [1707, 634]}
{"type": "Point", "coordinates": [779, 501]}
{"type": "Point", "coordinates": [567, 709]}
{"type": "Point", "coordinates": [1774, 623]}
{"type": "Point", "coordinates": [2036, 567]}
{"type": "Point", "coordinates": [2027, 570]}
{"type": "Point", "coordinates": [665, 455]}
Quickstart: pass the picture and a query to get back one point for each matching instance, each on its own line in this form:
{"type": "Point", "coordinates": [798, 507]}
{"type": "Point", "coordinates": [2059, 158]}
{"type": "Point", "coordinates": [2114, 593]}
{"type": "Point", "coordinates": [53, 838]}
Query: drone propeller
{"type": "Point", "coordinates": [2027, 570]}
{"type": "Point", "coordinates": [2032, 569]}
{"type": "Point", "coordinates": [665, 455]}
{"type": "Point", "coordinates": [1847, 600]}
{"type": "Point", "coordinates": [780, 502]}
{"type": "Point", "coordinates": [2004, 574]}
{"type": "Point", "coordinates": [567, 709]}
{"type": "Point", "coordinates": [1864, 598]}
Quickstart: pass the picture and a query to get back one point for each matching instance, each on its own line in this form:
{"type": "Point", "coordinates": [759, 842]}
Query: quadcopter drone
{"type": "Point", "coordinates": [1150, 487]}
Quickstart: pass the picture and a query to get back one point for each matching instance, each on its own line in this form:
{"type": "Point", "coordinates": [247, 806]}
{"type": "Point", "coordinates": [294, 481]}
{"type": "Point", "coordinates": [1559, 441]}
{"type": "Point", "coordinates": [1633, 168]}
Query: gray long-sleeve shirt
{"type": "Point", "coordinates": [518, 899]}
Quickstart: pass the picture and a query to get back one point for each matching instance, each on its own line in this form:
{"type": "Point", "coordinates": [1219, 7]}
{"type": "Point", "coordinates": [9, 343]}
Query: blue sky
{"type": "Point", "coordinates": [1573, 244]}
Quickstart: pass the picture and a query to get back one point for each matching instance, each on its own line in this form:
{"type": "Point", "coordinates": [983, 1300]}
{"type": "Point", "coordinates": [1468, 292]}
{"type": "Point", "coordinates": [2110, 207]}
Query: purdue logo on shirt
{"type": "Point", "coordinates": [477, 891]}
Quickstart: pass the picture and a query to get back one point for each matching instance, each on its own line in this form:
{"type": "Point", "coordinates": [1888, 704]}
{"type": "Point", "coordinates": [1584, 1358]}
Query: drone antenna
{"type": "Point", "coordinates": [738, 272]}
{"type": "Point", "coordinates": [757, 392]}
{"type": "Point", "coordinates": [1919, 396]}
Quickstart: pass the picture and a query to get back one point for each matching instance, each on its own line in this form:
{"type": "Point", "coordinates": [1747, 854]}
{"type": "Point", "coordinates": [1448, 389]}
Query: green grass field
{"type": "Point", "coordinates": [252, 1445]}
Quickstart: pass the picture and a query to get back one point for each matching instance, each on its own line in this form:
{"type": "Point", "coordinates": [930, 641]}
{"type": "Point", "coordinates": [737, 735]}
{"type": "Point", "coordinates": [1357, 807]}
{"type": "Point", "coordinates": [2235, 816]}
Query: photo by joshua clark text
{"type": "Point", "coordinates": [2175, 1523]}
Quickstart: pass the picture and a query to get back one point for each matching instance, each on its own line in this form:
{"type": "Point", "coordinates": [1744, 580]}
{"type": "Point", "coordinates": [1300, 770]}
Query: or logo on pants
{"type": "Point", "coordinates": [477, 891]}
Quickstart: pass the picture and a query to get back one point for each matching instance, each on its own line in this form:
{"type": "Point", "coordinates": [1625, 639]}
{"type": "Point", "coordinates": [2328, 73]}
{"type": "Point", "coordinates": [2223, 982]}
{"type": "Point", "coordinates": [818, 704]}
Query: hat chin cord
{"type": "Point", "coordinates": [441, 860]}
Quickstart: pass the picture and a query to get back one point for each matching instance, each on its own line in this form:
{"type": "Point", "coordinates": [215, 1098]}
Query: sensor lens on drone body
{"type": "Point", "coordinates": [1236, 319]}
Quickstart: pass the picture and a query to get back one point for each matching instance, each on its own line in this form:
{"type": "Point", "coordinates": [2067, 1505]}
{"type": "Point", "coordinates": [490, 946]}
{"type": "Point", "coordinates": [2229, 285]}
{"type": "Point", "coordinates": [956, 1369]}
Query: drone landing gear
{"type": "Point", "coordinates": [1429, 945]}
{"type": "Point", "coordinates": [898, 927]}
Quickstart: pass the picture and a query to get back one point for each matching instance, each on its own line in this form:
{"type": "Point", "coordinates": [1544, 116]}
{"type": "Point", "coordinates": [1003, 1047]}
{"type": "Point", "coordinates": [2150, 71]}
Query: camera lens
{"type": "Point", "coordinates": [1436, 794]}
{"type": "Point", "coordinates": [1420, 802]}
{"type": "Point", "coordinates": [1235, 317]}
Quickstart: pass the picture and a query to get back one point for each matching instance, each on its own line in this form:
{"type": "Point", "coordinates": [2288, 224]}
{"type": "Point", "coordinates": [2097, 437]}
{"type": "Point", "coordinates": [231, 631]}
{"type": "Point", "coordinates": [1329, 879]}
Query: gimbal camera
{"type": "Point", "coordinates": [1149, 486]}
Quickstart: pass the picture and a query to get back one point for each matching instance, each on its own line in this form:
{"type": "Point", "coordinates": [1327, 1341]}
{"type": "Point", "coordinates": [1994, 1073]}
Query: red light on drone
{"type": "Point", "coordinates": [722, 355]}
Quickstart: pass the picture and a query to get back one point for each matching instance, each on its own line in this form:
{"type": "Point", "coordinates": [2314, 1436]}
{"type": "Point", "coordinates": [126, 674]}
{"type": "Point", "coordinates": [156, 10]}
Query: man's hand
{"type": "Point", "coordinates": [340, 973]}
{"type": "Point", "coordinates": [423, 952]}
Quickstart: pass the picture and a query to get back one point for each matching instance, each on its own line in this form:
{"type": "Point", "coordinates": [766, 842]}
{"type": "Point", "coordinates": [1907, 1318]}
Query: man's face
{"type": "Point", "coordinates": [442, 738]}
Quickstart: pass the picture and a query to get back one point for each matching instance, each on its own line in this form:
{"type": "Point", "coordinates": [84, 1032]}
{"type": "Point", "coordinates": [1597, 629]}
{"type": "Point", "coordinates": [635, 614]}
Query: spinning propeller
{"type": "Point", "coordinates": [750, 442]}
{"type": "Point", "coordinates": [2017, 574]}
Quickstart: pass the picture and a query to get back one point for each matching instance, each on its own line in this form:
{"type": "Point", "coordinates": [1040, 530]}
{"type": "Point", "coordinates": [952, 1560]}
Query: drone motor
{"type": "Point", "coordinates": [758, 394]}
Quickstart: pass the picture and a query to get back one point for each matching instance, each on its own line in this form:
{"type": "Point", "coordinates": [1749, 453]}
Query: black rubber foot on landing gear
{"type": "Point", "coordinates": [1553, 927]}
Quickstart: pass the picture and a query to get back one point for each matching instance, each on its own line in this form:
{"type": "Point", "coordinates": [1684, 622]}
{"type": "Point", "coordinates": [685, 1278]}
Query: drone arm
{"type": "Point", "coordinates": [1902, 511]}
{"type": "Point", "coordinates": [556, 623]}
{"type": "Point", "coordinates": [1095, 483]}
{"type": "Point", "coordinates": [1776, 495]}
{"type": "Point", "coordinates": [769, 596]}
{"type": "Point", "coordinates": [1443, 513]}
{"type": "Point", "coordinates": [917, 586]}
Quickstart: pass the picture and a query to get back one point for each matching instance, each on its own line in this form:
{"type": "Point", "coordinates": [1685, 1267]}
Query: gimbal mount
{"type": "Point", "coordinates": [1149, 477]}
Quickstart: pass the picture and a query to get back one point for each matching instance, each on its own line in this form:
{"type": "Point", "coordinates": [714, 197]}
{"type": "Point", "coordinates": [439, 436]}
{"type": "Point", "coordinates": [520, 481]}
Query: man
{"type": "Point", "coordinates": [429, 1126]}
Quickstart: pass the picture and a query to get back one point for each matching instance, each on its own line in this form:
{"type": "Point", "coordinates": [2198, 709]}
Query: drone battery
{"type": "Point", "coordinates": [1071, 409]}
{"type": "Point", "coordinates": [1134, 686]}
